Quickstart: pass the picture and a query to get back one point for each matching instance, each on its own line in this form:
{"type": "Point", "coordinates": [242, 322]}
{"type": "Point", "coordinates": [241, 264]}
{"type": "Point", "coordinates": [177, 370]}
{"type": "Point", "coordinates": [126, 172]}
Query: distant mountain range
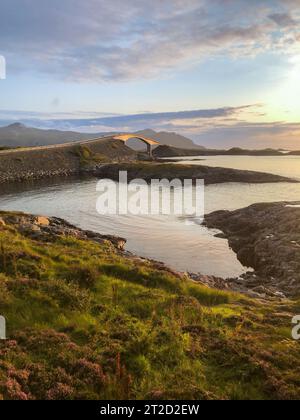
{"type": "Point", "coordinates": [171, 139]}
{"type": "Point", "coordinates": [19, 135]}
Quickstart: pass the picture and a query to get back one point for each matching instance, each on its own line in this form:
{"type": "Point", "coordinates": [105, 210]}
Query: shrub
{"type": "Point", "coordinates": [60, 392]}
{"type": "Point", "coordinates": [5, 295]}
{"type": "Point", "coordinates": [67, 295]}
{"type": "Point", "coordinates": [84, 275]}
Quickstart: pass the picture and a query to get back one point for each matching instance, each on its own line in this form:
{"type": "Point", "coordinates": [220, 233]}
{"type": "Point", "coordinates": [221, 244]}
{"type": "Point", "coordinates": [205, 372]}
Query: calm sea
{"type": "Point", "coordinates": [183, 244]}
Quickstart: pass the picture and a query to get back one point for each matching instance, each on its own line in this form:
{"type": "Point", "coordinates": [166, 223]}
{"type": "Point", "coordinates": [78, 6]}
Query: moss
{"type": "Point", "coordinates": [86, 322]}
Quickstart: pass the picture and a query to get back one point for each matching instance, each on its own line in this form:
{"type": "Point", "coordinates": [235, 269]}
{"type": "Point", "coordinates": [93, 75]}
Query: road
{"type": "Point", "coordinates": [54, 146]}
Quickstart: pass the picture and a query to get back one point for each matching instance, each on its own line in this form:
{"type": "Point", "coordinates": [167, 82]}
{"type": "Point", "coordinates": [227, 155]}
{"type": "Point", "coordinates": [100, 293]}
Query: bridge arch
{"type": "Point", "coordinates": [149, 142]}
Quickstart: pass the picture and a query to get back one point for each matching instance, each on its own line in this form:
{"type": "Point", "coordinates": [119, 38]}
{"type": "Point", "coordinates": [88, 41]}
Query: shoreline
{"type": "Point", "coordinates": [82, 164]}
{"type": "Point", "coordinates": [148, 171]}
{"type": "Point", "coordinates": [210, 175]}
{"type": "Point", "coordinates": [165, 151]}
{"type": "Point", "coordinates": [253, 284]}
{"type": "Point", "coordinates": [104, 158]}
{"type": "Point", "coordinates": [265, 236]}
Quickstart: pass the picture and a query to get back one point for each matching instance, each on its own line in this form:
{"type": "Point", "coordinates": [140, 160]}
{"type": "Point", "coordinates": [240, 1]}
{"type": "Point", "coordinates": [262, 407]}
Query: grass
{"type": "Point", "coordinates": [87, 157]}
{"type": "Point", "coordinates": [85, 322]}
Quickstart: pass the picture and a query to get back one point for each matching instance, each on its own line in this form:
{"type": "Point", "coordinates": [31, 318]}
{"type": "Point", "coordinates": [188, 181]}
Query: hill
{"type": "Point", "coordinates": [170, 151]}
{"type": "Point", "coordinates": [19, 135]}
{"type": "Point", "coordinates": [61, 160]}
{"type": "Point", "coordinates": [87, 321]}
{"type": "Point", "coordinates": [170, 139]}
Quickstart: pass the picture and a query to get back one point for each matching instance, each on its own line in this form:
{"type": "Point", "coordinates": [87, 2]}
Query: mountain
{"type": "Point", "coordinates": [170, 139]}
{"type": "Point", "coordinates": [19, 135]}
{"type": "Point", "coordinates": [163, 151]}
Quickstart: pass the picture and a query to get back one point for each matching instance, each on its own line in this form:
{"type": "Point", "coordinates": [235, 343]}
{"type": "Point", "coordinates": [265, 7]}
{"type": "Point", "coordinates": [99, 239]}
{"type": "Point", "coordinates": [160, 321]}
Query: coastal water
{"type": "Point", "coordinates": [181, 243]}
{"type": "Point", "coordinates": [288, 166]}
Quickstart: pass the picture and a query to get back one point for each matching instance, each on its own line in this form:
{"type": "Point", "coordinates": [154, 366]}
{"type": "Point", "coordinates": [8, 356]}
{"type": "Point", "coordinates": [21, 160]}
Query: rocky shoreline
{"type": "Point", "coordinates": [146, 171]}
{"type": "Point", "coordinates": [66, 160]}
{"type": "Point", "coordinates": [210, 175]}
{"type": "Point", "coordinates": [265, 237]}
{"type": "Point", "coordinates": [165, 151]}
{"type": "Point", "coordinates": [47, 228]}
{"type": "Point", "coordinates": [104, 158]}
{"type": "Point", "coordinates": [258, 234]}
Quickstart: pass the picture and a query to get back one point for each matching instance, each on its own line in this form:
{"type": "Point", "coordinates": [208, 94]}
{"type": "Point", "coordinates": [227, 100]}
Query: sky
{"type": "Point", "coordinates": [225, 73]}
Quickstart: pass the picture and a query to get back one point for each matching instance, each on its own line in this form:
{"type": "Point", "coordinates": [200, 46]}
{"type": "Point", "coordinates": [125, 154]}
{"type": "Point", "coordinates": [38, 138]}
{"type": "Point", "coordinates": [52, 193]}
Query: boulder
{"type": "Point", "coordinates": [42, 221]}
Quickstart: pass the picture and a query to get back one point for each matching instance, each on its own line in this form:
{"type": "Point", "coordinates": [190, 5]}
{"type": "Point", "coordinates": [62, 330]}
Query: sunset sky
{"type": "Point", "coordinates": [223, 72]}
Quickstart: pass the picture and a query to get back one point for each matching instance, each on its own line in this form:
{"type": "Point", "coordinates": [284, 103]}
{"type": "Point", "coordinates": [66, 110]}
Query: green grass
{"type": "Point", "coordinates": [87, 157]}
{"type": "Point", "coordinates": [85, 322]}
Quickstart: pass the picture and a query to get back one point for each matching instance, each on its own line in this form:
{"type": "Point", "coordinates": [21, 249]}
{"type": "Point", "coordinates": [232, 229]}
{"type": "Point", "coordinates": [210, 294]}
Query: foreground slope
{"type": "Point", "coordinates": [87, 321]}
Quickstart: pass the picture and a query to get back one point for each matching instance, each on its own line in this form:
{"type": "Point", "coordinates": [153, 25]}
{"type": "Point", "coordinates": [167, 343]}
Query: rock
{"type": "Point", "coordinates": [2, 222]}
{"type": "Point", "coordinates": [118, 242]}
{"type": "Point", "coordinates": [265, 237]}
{"type": "Point", "coordinates": [42, 221]}
{"type": "Point", "coordinates": [280, 295]}
{"type": "Point", "coordinates": [220, 235]}
{"type": "Point", "coordinates": [210, 175]}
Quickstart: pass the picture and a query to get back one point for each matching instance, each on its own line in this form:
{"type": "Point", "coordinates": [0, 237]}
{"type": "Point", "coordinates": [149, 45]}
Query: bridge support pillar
{"type": "Point", "coordinates": [149, 150]}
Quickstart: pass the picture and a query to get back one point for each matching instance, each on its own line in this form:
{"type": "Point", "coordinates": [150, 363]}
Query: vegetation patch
{"type": "Point", "coordinates": [84, 321]}
{"type": "Point", "coordinates": [87, 157]}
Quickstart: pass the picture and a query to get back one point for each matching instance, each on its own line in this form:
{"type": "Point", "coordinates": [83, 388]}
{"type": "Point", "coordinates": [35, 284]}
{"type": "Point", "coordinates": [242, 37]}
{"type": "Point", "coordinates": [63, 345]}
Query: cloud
{"type": "Point", "coordinates": [252, 135]}
{"type": "Point", "coordinates": [134, 122]}
{"type": "Point", "coordinates": [283, 19]}
{"type": "Point", "coordinates": [120, 40]}
{"type": "Point", "coordinates": [214, 128]}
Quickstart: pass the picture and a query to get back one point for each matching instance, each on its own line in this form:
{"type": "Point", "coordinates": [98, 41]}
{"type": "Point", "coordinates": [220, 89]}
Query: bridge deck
{"type": "Point", "coordinates": [121, 137]}
{"type": "Point", "coordinates": [126, 137]}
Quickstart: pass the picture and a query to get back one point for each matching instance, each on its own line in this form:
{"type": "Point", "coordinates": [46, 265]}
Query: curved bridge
{"type": "Point", "coordinates": [149, 142]}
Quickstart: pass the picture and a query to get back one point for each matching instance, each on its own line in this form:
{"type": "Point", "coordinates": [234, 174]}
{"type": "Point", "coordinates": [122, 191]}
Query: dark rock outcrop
{"type": "Point", "coordinates": [46, 228]}
{"type": "Point", "coordinates": [164, 151]}
{"type": "Point", "coordinates": [210, 175]}
{"type": "Point", "coordinates": [267, 238]}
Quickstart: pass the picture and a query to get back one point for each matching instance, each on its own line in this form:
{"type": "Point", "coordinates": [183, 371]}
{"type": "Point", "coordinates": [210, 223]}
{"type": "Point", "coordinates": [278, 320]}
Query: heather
{"type": "Point", "coordinates": [87, 321]}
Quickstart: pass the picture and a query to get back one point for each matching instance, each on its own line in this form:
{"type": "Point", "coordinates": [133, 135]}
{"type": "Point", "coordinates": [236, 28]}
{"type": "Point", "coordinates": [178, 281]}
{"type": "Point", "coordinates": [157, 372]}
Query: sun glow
{"type": "Point", "coordinates": [290, 91]}
{"type": "Point", "coordinates": [284, 102]}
